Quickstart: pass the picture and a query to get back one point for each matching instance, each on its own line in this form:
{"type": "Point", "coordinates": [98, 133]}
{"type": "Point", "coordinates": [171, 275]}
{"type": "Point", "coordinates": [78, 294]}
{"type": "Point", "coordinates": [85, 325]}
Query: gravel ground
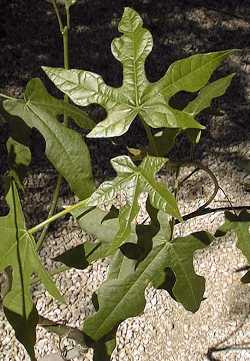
{"type": "Point", "coordinates": [165, 330]}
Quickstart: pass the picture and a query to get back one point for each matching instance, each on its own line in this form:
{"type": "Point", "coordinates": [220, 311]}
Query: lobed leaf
{"type": "Point", "coordinates": [240, 225]}
{"type": "Point", "coordinates": [121, 298]}
{"type": "Point", "coordinates": [65, 148]}
{"type": "Point", "coordinates": [132, 181]}
{"type": "Point", "coordinates": [137, 96]}
{"type": "Point", "coordinates": [18, 251]}
{"type": "Point", "coordinates": [203, 100]}
{"type": "Point", "coordinates": [20, 153]}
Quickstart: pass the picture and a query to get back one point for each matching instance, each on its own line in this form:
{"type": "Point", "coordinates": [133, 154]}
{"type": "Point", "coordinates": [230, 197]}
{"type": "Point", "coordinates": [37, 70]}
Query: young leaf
{"type": "Point", "coordinates": [65, 148]}
{"type": "Point", "coordinates": [137, 96]}
{"type": "Point", "coordinates": [18, 250]}
{"type": "Point", "coordinates": [132, 181]}
{"type": "Point", "coordinates": [240, 225]}
{"type": "Point", "coordinates": [122, 298]}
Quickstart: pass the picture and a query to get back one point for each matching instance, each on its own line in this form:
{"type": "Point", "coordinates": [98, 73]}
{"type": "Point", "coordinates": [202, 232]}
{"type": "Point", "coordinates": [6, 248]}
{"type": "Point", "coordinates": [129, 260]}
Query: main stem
{"type": "Point", "coordinates": [150, 137]}
{"type": "Point", "coordinates": [65, 35]}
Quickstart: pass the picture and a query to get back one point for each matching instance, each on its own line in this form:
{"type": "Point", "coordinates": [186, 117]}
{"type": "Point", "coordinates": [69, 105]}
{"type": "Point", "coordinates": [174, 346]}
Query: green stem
{"type": "Point", "coordinates": [51, 212]}
{"type": "Point", "coordinates": [58, 215]}
{"type": "Point", "coordinates": [172, 221]}
{"type": "Point", "coordinates": [7, 97]}
{"type": "Point", "coordinates": [65, 36]}
{"type": "Point", "coordinates": [150, 137]}
{"type": "Point", "coordinates": [58, 16]}
{"type": "Point", "coordinates": [67, 16]}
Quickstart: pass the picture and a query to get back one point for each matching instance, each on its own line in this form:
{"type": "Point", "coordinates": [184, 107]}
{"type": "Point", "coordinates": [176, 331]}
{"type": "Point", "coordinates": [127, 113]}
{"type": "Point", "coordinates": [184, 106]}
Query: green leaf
{"type": "Point", "coordinates": [122, 298]}
{"type": "Point", "coordinates": [137, 96]}
{"type": "Point", "coordinates": [132, 181]}
{"type": "Point", "coordinates": [164, 141]}
{"type": "Point", "coordinates": [18, 250]}
{"type": "Point", "coordinates": [20, 154]}
{"type": "Point", "coordinates": [240, 225]}
{"type": "Point", "coordinates": [65, 148]}
{"type": "Point", "coordinates": [82, 255]}
{"type": "Point", "coordinates": [207, 94]}
{"type": "Point", "coordinates": [203, 100]}
{"type": "Point", "coordinates": [96, 223]}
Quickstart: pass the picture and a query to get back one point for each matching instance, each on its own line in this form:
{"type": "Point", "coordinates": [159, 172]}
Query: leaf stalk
{"type": "Point", "coordinates": [56, 216]}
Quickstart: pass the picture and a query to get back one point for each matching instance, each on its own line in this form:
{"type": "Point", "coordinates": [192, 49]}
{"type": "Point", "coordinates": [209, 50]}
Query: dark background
{"type": "Point", "coordinates": [30, 38]}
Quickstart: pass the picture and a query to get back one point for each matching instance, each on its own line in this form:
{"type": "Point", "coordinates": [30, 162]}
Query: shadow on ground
{"type": "Point", "coordinates": [30, 39]}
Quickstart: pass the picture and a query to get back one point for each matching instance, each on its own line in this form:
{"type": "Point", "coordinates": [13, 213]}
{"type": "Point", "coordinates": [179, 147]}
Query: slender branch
{"type": "Point", "coordinates": [67, 16]}
{"type": "Point", "coordinates": [51, 211]}
{"type": "Point", "coordinates": [211, 175]}
{"type": "Point", "coordinates": [187, 177]}
{"type": "Point", "coordinates": [55, 197]}
{"type": "Point", "coordinates": [176, 187]}
{"type": "Point", "coordinates": [201, 212]}
{"type": "Point", "coordinates": [56, 216]}
{"type": "Point", "coordinates": [219, 348]}
{"type": "Point", "coordinates": [7, 97]}
{"type": "Point", "coordinates": [58, 15]}
{"type": "Point", "coordinates": [63, 330]}
{"type": "Point", "coordinates": [227, 198]}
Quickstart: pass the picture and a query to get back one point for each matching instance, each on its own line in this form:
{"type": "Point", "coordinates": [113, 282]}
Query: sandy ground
{"type": "Point", "coordinates": [165, 331]}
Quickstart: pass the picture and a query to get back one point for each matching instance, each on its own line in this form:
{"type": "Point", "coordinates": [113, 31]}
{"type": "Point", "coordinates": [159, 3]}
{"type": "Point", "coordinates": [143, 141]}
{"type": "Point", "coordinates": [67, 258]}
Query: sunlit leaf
{"type": "Point", "coordinates": [18, 250]}
{"type": "Point", "coordinates": [132, 181]}
{"type": "Point", "coordinates": [203, 100]}
{"type": "Point", "coordinates": [65, 148]}
{"type": "Point", "coordinates": [137, 96]}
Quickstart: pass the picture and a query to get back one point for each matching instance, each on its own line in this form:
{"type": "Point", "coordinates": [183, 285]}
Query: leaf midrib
{"type": "Point", "coordinates": [130, 289]}
{"type": "Point", "coordinates": [164, 89]}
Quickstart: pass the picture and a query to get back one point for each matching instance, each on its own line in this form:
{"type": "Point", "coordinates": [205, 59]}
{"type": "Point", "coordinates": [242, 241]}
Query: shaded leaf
{"type": "Point", "coordinates": [19, 154]}
{"type": "Point", "coordinates": [80, 256]}
{"type": "Point", "coordinates": [137, 96]}
{"type": "Point", "coordinates": [240, 225]}
{"type": "Point", "coordinates": [164, 141]}
{"type": "Point", "coordinates": [64, 147]}
{"type": "Point", "coordinates": [18, 250]}
{"type": "Point", "coordinates": [122, 298]}
{"type": "Point", "coordinates": [104, 230]}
